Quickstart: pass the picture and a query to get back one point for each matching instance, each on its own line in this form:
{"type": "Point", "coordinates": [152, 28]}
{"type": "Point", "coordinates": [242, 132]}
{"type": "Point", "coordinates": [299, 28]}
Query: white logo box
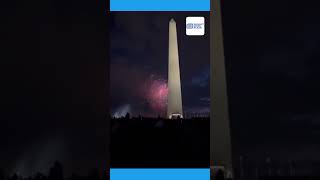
{"type": "Point", "coordinates": [195, 26]}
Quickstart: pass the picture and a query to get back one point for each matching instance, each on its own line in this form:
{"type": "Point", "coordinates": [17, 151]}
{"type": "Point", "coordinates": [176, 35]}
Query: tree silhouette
{"type": "Point", "coordinates": [56, 172]}
{"type": "Point", "coordinates": [14, 177]}
{"type": "Point", "coordinates": [127, 116]}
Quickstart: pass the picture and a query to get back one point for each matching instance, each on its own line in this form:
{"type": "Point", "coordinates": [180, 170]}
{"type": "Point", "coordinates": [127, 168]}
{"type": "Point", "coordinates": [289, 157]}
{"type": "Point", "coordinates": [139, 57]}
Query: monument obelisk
{"type": "Point", "coordinates": [220, 142]}
{"type": "Point", "coordinates": [174, 108]}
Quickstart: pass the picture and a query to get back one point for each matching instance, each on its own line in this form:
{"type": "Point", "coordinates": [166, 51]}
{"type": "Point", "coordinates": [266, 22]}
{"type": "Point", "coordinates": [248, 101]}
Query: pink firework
{"type": "Point", "coordinates": [157, 95]}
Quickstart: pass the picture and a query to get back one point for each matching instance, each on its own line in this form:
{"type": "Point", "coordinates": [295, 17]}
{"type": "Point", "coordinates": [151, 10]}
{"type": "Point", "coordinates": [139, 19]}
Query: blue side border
{"type": "Point", "coordinates": [159, 5]}
{"type": "Point", "coordinates": [159, 174]}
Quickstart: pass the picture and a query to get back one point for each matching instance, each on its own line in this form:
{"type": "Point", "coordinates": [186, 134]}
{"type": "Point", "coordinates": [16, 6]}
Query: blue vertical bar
{"type": "Point", "coordinates": [159, 174]}
{"type": "Point", "coordinates": [159, 5]}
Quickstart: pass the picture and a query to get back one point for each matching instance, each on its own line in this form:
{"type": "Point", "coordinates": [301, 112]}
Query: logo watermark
{"type": "Point", "coordinates": [195, 26]}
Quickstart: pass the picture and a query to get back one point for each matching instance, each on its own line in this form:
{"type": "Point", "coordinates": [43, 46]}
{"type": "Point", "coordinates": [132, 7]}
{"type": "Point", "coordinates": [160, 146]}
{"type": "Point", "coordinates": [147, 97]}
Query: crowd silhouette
{"type": "Point", "coordinates": [160, 142]}
{"type": "Point", "coordinates": [56, 173]}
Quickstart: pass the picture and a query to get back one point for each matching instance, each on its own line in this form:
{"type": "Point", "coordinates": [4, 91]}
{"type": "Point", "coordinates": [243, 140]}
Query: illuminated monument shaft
{"type": "Point", "coordinates": [174, 96]}
{"type": "Point", "coordinates": [220, 143]}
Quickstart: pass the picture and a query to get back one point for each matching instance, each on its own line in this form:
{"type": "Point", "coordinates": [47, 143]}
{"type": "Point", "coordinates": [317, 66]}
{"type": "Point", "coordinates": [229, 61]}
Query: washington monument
{"type": "Point", "coordinates": [174, 96]}
{"type": "Point", "coordinates": [220, 143]}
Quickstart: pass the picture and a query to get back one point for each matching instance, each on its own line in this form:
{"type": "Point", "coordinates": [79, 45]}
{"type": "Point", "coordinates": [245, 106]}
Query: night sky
{"type": "Point", "coordinates": [139, 64]}
{"type": "Point", "coordinates": [272, 57]}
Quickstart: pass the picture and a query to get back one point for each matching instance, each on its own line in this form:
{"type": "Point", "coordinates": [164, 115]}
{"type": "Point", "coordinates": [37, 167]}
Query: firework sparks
{"type": "Point", "coordinates": [155, 94]}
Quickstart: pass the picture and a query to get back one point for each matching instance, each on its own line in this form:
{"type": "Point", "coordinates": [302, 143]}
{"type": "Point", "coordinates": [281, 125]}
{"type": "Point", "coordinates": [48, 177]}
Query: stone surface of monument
{"type": "Point", "coordinates": [174, 108]}
{"type": "Point", "coordinates": [220, 141]}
